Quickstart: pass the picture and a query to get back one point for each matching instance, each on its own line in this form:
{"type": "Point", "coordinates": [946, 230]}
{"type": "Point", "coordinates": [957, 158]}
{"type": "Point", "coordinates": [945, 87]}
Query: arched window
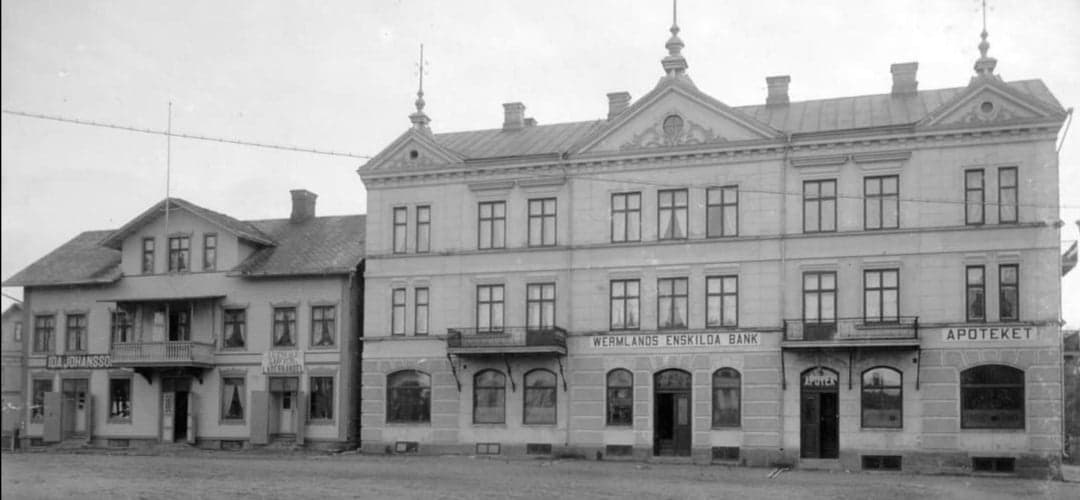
{"type": "Point", "coordinates": [992, 397]}
{"type": "Point", "coordinates": [882, 398]}
{"type": "Point", "coordinates": [408, 397]}
{"type": "Point", "coordinates": [726, 397]}
{"type": "Point", "coordinates": [620, 397]}
{"type": "Point", "coordinates": [489, 397]}
{"type": "Point", "coordinates": [539, 397]}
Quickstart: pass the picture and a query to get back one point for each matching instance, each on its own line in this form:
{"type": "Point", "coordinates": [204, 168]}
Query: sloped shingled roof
{"type": "Point", "coordinates": [82, 260]}
{"type": "Point", "coordinates": [240, 228]}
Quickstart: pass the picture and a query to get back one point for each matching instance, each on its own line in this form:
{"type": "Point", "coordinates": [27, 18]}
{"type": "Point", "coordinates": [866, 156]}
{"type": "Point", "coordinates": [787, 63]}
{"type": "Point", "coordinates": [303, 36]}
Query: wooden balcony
{"type": "Point", "coordinates": [898, 332]}
{"type": "Point", "coordinates": [508, 340]}
{"type": "Point", "coordinates": [162, 354]}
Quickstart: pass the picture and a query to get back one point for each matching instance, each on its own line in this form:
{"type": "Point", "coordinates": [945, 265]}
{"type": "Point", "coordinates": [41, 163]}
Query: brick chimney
{"type": "Point", "coordinates": [303, 205]}
{"type": "Point", "coordinates": [903, 78]}
{"type": "Point", "coordinates": [617, 103]}
{"type": "Point", "coordinates": [514, 116]}
{"type": "Point", "coordinates": [778, 90]}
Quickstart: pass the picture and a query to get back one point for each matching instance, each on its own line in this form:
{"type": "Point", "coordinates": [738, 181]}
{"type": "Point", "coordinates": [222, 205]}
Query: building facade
{"type": "Point", "coordinates": [187, 325]}
{"type": "Point", "coordinates": [12, 369]}
{"type": "Point", "coordinates": [866, 282]}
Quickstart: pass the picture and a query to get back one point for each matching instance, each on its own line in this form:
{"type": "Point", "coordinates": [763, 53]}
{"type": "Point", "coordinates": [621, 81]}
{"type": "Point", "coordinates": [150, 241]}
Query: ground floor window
{"type": "Point", "coordinates": [489, 397]}
{"type": "Point", "coordinates": [40, 387]}
{"type": "Point", "coordinates": [620, 397]}
{"type": "Point", "coordinates": [408, 397]}
{"type": "Point", "coordinates": [992, 397]}
{"type": "Point", "coordinates": [882, 398]}
{"type": "Point", "coordinates": [539, 397]}
{"type": "Point", "coordinates": [232, 398]}
{"type": "Point", "coordinates": [726, 397]}
{"type": "Point", "coordinates": [321, 405]}
{"type": "Point", "coordinates": [120, 400]}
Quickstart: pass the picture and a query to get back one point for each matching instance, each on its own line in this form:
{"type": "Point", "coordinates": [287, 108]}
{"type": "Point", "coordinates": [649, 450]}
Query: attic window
{"type": "Point", "coordinates": [986, 107]}
{"type": "Point", "coordinates": [673, 125]}
{"type": "Point", "coordinates": [414, 154]}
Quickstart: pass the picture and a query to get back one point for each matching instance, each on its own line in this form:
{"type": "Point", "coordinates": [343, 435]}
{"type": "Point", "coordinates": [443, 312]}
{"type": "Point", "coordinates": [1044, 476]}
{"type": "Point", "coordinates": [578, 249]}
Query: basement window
{"type": "Point", "coordinates": [725, 453]}
{"type": "Point", "coordinates": [537, 449]}
{"type": "Point", "coordinates": [488, 448]}
{"type": "Point", "coordinates": [993, 464]}
{"type": "Point", "coordinates": [619, 450]}
{"type": "Point", "coordinates": [406, 447]}
{"type": "Point", "coordinates": [881, 462]}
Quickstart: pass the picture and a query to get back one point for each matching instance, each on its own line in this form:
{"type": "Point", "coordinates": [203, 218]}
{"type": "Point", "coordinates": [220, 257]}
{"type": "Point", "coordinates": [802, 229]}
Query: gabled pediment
{"type": "Point", "coordinates": [988, 102]}
{"type": "Point", "coordinates": [242, 230]}
{"type": "Point", "coordinates": [677, 114]}
{"type": "Point", "coordinates": [414, 149]}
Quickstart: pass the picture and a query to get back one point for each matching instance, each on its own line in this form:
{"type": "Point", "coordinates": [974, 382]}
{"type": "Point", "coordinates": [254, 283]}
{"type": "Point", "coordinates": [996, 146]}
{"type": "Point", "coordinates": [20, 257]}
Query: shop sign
{"type": "Point", "coordinates": [1003, 334]}
{"type": "Point", "coordinates": [668, 340]}
{"type": "Point", "coordinates": [283, 362]}
{"type": "Point", "coordinates": [78, 361]}
{"type": "Point", "coordinates": [819, 379]}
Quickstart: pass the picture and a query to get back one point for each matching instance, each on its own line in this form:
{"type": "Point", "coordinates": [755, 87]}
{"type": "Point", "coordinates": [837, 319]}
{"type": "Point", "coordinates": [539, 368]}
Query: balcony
{"type": "Point", "coordinates": [899, 333]}
{"type": "Point", "coordinates": [163, 354]}
{"type": "Point", "coordinates": [510, 340]}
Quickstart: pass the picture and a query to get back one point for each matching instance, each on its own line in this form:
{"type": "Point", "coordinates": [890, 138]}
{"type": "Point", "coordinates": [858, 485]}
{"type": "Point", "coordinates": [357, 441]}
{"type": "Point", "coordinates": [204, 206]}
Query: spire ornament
{"type": "Point", "coordinates": [419, 119]}
{"type": "Point", "coordinates": [984, 66]}
{"type": "Point", "coordinates": [674, 64]}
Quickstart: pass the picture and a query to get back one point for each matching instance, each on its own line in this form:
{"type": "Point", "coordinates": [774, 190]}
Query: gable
{"type": "Point", "coordinates": [987, 103]}
{"type": "Point", "coordinates": [414, 150]}
{"type": "Point", "coordinates": [674, 116]}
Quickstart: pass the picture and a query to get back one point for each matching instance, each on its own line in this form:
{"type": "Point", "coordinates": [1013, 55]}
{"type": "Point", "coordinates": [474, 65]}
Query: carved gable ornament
{"type": "Point", "coordinates": [412, 151]}
{"type": "Point", "coordinates": [987, 106]}
{"type": "Point", "coordinates": [673, 130]}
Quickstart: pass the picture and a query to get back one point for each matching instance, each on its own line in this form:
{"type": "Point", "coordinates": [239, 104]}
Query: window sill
{"type": "Point", "coordinates": [321, 421]}
{"type": "Point", "coordinates": [490, 425]}
{"type": "Point", "coordinates": [284, 347]}
{"type": "Point", "coordinates": [323, 348]}
{"type": "Point", "coordinates": [546, 425]}
{"type": "Point", "coordinates": [409, 424]}
{"type": "Point", "coordinates": [881, 429]}
{"type": "Point", "coordinates": [995, 430]}
{"type": "Point", "coordinates": [726, 428]}
{"type": "Point", "coordinates": [232, 350]}
{"type": "Point", "coordinates": [118, 421]}
{"type": "Point", "coordinates": [231, 422]}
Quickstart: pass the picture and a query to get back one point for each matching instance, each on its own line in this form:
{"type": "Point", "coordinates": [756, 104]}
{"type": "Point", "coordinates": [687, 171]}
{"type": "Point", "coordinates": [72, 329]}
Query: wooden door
{"type": "Point", "coordinates": [53, 431]}
{"type": "Point", "coordinates": [682, 419]}
{"type": "Point", "coordinates": [168, 409]}
{"type": "Point", "coordinates": [810, 417]}
{"type": "Point", "coordinates": [829, 430]}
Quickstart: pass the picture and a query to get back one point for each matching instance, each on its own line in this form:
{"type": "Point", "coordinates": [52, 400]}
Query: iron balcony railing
{"type": "Point", "coordinates": [852, 329]}
{"type": "Point", "coordinates": [506, 340]}
{"type": "Point", "coordinates": [182, 353]}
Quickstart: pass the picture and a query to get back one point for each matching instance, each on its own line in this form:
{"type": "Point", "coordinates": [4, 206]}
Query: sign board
{"type": "Point", "coordinates": [1000, 334]}
{"type": "Point", "coordinates": [820, 379]}
{"type": "Point", "coordinates": [675, 340]}
{"type": "Point", "coordinates": [78, 361]}
{"type": "Point", "coordinates": [283, 362]}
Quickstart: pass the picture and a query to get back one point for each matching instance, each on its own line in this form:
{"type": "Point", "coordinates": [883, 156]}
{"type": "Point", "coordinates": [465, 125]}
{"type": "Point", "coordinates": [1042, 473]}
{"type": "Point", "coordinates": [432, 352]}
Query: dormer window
{"type": "Point", "coordinates": [179, 254]}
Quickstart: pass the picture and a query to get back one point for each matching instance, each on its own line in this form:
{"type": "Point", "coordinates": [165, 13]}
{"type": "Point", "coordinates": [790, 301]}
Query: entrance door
{"type": "Point", "coordinates": [180, 416]}
{"type": "Point", "coordinates": [174, 408]}
{"type": "Point", "coordinates": [672, 418]}
{"type": "Point", "coordinates": [283, 392]}
{"type": "Point", "coordinates": [819, 414]}
{"type": "Point", "coordinates": [74, 406]}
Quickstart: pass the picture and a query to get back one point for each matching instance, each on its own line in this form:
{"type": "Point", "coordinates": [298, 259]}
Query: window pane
{"type": "Point", "coordinates": [890, 305]}
{"type": "Point", "coordinates": [873, 305]}
{"type": "Point", "coordinates": [828, 215]}
{"type": "Point", "coordinates": [828, 306]}
{"type": "Point", "coordinates": [811, 222]}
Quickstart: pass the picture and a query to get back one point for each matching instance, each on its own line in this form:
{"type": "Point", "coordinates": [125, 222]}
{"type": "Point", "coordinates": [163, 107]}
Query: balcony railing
{"type": "Point", "coordinates": [897, 331]}
{"type": "Point", "coordinates": [509, 340]}
{"type": "Point", "coordinates": [185, 353]}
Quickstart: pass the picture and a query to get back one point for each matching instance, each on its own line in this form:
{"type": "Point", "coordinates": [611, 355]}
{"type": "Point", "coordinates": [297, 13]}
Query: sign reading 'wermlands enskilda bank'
{"type": "Point", "coordinates": [668, 340]}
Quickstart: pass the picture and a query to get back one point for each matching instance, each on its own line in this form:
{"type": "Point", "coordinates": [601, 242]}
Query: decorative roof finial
{"type": "Point", "coordinates": [984, 66]}
{"type": "Point", "coordinates": [420, 119]}
{"type": "Point", "coordinates": [674, 64]}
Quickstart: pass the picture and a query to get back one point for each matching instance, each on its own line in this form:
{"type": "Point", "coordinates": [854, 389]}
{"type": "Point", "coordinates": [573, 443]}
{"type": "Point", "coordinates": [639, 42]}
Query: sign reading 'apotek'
{"type": "Point", "coordinates": [1006, 334]}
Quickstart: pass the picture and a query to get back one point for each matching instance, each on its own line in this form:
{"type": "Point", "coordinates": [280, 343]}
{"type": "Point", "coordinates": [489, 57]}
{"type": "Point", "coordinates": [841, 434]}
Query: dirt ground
{"type": "Point", "coordinates": [253, 476]}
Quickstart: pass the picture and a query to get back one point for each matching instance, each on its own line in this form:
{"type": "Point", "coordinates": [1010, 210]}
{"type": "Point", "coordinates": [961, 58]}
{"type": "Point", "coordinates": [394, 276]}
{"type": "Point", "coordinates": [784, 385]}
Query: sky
{"type": "Point", "coordinates": [342, 76]}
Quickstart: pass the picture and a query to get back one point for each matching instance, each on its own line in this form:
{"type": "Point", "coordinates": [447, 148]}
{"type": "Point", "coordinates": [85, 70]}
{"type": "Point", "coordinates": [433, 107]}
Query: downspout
{"type": "Point", "coordinates": [570, 284]}
{"type": "Point", "coordinates": [783, 281]}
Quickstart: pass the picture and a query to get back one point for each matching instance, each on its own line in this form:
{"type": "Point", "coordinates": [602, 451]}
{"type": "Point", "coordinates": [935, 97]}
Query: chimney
{"type": "Point", "coordinates": [530, 122]}
{"type": "Point", "coordinates": [617, 103]}
{"type": "Point", "coordinates": [778, 88]}
{"type": "Point", "coordinates": [303, 206]}
{"type": "Point", "coordinates": [514, 116]}
{"type": "Point", "coordinates": [903, 78]}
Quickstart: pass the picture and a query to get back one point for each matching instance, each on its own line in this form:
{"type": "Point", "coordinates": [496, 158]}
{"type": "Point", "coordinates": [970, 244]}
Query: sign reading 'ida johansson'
{"type": "Point", "coordinates": [675, 340]}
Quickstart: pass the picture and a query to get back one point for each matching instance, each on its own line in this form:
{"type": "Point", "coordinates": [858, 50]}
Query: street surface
{"type": "Point", "coordinates": [202, 474]}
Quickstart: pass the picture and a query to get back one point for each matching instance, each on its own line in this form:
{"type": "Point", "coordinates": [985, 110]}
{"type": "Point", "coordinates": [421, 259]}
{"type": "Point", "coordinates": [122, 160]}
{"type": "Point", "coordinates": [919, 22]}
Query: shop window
{"type": "Point", "coordinates": [992, 397]}
{"type": "Point", "coordinates": [671, 307]}
{"type": "Point", "coordinates": [726, 398]}
{"type": "Point", "coordinates": [284, 326]}
{"type": "Point", "coordinates": [235, 328]}
{"type": "Point", "coordinates": [721, 301]}
{"type": "Point", "coordinates": [489, 397]}
{"type": "Point", "coordinates": [882, 398]}
{"type": "Point", "coordinates": [322, 326]}
{"type": "Point", "coordinates": [620, 397]}
{"type": "Point", "coordinates": [233, 398]}
{"type": "Point", "coordinates": [408, 397]}
{"type": "Point", "coordinates": [321, 404]}
{"type": "Point", "coordinates": [722, 214]}
{"type": "Point", "coordinates": [37, 408]}
{"type": "Point", "coordinates": [120, 400]}
{"type": "Point", "coordinates": [625, 217]}
{"type": "Point", "coordinates": [44, 332]}
{"type": "Point", "coordinates": [540, 397]}
{"type": "Point", "coordinates": [672, 214]}
{"type": "Point", "coordinates": [625, 304]}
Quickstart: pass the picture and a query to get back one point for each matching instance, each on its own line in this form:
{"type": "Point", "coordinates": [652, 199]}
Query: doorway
{"type": "Point", "coordinates": [74, 406]}
{"type": "Point", "coordinates": [283, 392]}
{"type": "Point", "coordinates": [672, 417]}
{"type": "Point", "coordinates": [819, 413]}
{"type": "Point", "coordinates": [175, 395]}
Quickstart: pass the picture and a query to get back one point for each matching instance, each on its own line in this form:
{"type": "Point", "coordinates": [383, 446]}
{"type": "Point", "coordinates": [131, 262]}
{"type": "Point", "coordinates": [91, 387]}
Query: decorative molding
{"type": "Point", "coordinates": [881, 156]}
{"type": "Point", "coordinates": [819, 161]}
{"type": "Point", "coordinates": [689, 134]}
{"type": "Point", "coordinates": [491, 186]}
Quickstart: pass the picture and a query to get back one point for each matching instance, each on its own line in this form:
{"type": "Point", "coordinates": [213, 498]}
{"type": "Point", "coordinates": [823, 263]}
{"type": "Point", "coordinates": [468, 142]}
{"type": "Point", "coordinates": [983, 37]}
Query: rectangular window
{"type": "Point", "coordinates": [1009, 289]}
{"type": "Point", "coordinates": [284, 326]}
{"type": "Point", "coordinates": [625, 217]}
{"type": "Point", "coordinates": [625, 304]}
{"type": "Point", "coordinates": [235, 328]}
{"type": "Point", "coordinates": [123, 330]}
{"type": "Point", "coordinates": [881, 296]}
{"type": "Point", "coordinates": [489, 308]}
{"type": "Point", "coordinates": [819, 206]}
{"type": "Point", "coordinates": [321, 404]}
{"type": "Point", "coordinates": [44, 332]}
{"type": "Point", "coordinates": [881, 202]}
{"type": "Point", "coordinates": [722, 216]}
{"type": "Point", "coordinates": [974, 196]}
{"type": "Point", "coordinates": [721, 301]}
{"type": "Point", "coordinates": [397, 311]}
{"type": "Point", "coordinates": [209, 252]}
{"type": "Point", "coordinates": [672, 213]}
{"type": "Point", "coordinates": [233, 398]}
{"type": "Point", "coordinates": [179, 254]}
{"type": "Point", "coordinates": [492, 233]}
{"type": "Point", "coordinates": [542, 222]}
{"type": "Point", "coordinates": [148, 255]}
{"type": "Point", "coordinates": [423, 229]}
{"type": "Point", "coordinates": [422, 311]}
{"type": "Point", "coordinates": [75, 333]}
{"type": "Point", "coordinates": [671, 298]}
{"type": "Point", "coordinates": [120, 399]}
{"type": "Point", "coordinates": [1008, 198]}
{"type": "Point", "coordinates": [819, 297]}
{"type": "Point", "coordinates": [540, 306]}
{"type": "Point", "coordinates": [401, 224]}
{"type": "Point", "coordinates": [323, 331]}
{"type": "Point", "coordinates": [976, 293]}
{"type": "Point", "coordinates": [40, 387]}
